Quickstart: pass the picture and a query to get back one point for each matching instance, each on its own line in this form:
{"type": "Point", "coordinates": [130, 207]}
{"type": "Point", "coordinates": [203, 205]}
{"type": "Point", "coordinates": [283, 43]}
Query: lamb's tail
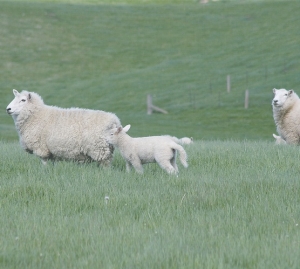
{"type": "Point", "coordinates": [182, 154]}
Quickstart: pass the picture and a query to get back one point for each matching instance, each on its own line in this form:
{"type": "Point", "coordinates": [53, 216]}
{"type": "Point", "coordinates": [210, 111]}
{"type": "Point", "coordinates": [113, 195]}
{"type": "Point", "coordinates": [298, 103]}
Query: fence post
{"type": "Point", "coordinates": [151, 107]}
{"type": "Point", "coordinates": [228, 83]}
{"type": "Point", "coordinates": [149, 104]}
{"type": "Point", "coordinates": [246, 99]}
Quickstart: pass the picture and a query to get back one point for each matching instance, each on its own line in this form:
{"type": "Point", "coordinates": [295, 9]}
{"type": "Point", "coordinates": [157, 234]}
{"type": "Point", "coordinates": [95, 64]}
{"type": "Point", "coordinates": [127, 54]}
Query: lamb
{"type": "Point", "coordinates": [57, 133]}
{"type": "Point", "coordinates": [140, 150]}
{"type": "Point", "coordinates": [286, 113]}
{"type": "Point", "coordinates": [279, 140]}
{"type": "Point", "coordinates": [181, 141]}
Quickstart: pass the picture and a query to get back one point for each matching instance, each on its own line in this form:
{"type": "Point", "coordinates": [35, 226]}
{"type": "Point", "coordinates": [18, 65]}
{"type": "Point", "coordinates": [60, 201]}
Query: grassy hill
{"type": "Point", "coordinates": [110, 57]}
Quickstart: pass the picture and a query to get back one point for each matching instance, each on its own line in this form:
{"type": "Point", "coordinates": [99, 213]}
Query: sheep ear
{"type": "Point", "coordinates": [126, 128]}
{"type": "Point", "coordinates": [274, 90]}
{"type": "Point", "coordinates": [29, 96]}
{"type": "Point", "coordinates": [275, 136]}
{"type": "Point", "coordinates": [119, 130]}
{"type": "Point", "coordinates": [15, 92]}
{"type": "Point", "coordinates": [291, 92]}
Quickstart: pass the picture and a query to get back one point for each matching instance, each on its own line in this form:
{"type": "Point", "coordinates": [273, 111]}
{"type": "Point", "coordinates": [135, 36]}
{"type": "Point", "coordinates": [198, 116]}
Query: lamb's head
{"type": "Point", "coordinates": [282, 97]}
{"type": "Point", "coordinates": [19, 102]}
{"type": "Point", "coordinates": [115, 134]}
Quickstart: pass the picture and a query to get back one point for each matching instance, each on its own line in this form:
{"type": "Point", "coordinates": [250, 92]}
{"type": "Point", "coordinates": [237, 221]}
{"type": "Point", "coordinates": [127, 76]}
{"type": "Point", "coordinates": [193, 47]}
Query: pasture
{"type": "Point", "coordinates": [110, 57]}
{"type": "Point", "coordinates": [236, 205]}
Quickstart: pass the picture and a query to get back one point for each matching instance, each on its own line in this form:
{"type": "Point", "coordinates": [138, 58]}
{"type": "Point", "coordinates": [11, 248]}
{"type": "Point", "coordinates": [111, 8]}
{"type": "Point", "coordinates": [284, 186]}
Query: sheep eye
{"type": "Point", "coordinates": [23, 100]}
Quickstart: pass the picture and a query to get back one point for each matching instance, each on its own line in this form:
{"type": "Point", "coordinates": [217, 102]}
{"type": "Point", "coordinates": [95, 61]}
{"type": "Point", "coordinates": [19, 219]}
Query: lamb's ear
{"type": "Point", "coordinates": [29, 96]}
{"type": "Point", "coordinates": [275, 136]}
{"type": "Point", "coordinates": [291, 92]}
{"type": "Point", "coordinates": [119, 130]}
{"type": "Point", "coordinates": [126, 128]}
{"type": "Point", "coordinates": [274, 90]}
{"type": "Point", "coordinates": [15, 92]}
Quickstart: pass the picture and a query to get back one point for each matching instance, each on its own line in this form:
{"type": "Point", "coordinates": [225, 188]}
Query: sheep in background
{"type": "Point", "coordinates": [57, 133]}
{"type": "Point", "coordinates": [140, 150]}
{"type": "Point", "coordinates": [286, 113]}
{"type": "Point", "coordinates": [181, 141]}
{"type": "Point", "coordinates": [186, 140]}
{"type": "Point", "coordinates": [279, 140]}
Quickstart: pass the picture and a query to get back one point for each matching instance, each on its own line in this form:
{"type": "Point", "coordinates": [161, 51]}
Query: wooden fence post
{"type": "Point", "coordinates": [151, 107]}
{"type": "Point", "coordinates": [228, 83]}
{"type": "Point", "coordinates": [246, 99]}
{"type": "Point", "coordinates": [149, 104]}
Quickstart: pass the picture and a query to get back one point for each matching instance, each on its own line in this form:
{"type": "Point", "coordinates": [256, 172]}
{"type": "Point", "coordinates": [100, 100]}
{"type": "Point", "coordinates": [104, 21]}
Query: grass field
{"type": "Point", "coordinates": [111, 56]}
{"type": "Point", "coordinates": [236, 206]}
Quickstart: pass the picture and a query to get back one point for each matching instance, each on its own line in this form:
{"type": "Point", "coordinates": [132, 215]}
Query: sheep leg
{"type": "Point", "coordinates": [44, 161]}
{"type": "Point", "coordinates": [166, 165]}
{"type": "Point", "coordinates": [138, 166]}
{"type": "Point", "coordinates": [43, 154]}
{"type": "Point", "coordinates": [128, 166]}
{"type": "Point", "coordinates": [173, 162]}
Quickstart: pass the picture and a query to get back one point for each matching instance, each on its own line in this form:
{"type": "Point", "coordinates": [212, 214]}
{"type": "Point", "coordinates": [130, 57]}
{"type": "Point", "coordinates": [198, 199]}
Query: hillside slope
{"type": "Point", "coordinates": [110, 57]}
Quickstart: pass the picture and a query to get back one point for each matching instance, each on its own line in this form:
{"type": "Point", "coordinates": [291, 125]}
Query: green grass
{"type": "Point", "coordinates": [236, 206]}
{"type": "Point", "coordinates": [110, 57]}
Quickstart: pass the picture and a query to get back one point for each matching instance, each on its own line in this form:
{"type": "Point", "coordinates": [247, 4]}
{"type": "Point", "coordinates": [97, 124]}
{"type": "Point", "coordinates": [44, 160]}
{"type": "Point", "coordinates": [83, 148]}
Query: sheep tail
{"type": "Point", "coordinates": [182, 154]}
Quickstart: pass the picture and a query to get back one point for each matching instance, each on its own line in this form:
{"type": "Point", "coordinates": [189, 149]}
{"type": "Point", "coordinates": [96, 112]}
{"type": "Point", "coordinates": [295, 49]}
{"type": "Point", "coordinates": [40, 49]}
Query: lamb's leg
{"type": "Point", "coordinates": [166, 165]}
{"type": "Point", "coordinates": [138, 166]}
{"type": "Point", "coordinates": [173, 162]}
{"type": "Point", "coordinates": [128, 166]}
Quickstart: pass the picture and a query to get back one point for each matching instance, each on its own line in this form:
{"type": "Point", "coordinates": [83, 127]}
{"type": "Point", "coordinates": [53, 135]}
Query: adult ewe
{"type": "Point", "coordinates": [140, 150]}
{"type": "Point", "coordinates": [57, 133]}
{"type": "Point", "coordinates": [286, 113]}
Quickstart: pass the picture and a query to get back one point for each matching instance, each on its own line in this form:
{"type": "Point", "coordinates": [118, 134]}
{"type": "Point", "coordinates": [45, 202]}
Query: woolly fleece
{"type": "Point", "coordinates": [141, 150]}
{"type": "Point", "coordinates": [286, 113]}
{"type": "Point", "coordinates": [57, 133]}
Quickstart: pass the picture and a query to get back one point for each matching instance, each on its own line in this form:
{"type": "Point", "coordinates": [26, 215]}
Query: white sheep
{"type": "Point", "coordinates": [58, 133]}
{"type": "Point", "coordinates": [279, 140]}
{"type": "Point", "coordinates": [140, 150]}
{"type": "Point", "coordinates": [181, 141]}
{"type": "Point", "coordinates": [286, 113]}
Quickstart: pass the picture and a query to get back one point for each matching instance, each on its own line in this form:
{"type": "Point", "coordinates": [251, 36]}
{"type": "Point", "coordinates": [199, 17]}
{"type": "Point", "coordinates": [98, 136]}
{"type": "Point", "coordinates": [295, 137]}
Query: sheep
{"type": "Point", "coordinates": [54, 133]}
{"type": "Point", "coordinates": [186, 140]}
{"type": "Point", "coordinates": [286, 113]}
{"type": "Point", "coordinates": [181, 141]}
{"type": "Point", "coordinates": [279, 140]}
{"type": "Point", "coordinates": [141, 150]}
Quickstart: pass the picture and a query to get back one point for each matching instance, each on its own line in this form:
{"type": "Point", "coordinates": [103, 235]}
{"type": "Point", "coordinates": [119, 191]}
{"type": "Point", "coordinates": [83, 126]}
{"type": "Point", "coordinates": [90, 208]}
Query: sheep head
{"type": "Point", "coordinates": [115, 133]}
{"type": "Point", "coordinates": [20, 100]}
{"type": "Point", "coordinates": [281, 97]}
